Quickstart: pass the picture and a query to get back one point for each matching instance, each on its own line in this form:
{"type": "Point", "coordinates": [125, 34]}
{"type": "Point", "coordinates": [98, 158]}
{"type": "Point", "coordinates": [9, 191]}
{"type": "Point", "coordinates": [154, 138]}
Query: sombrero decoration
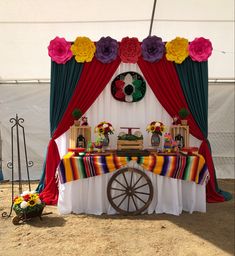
{"type": "Point", "coordinates": [128, 87]}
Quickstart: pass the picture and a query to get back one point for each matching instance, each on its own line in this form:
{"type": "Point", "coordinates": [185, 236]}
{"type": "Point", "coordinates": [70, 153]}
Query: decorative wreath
{"type": "Point", "coordinates": [128, 87]}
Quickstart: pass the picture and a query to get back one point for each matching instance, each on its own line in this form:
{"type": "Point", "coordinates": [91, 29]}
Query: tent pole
{"type": "Point", "coordinates": [152, 18]}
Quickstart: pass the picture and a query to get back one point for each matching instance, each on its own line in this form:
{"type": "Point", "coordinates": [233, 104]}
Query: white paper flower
{"type": "Point", "coordinates": [105, 125]}
{"type": "Point", "coordinates": [23, 204]}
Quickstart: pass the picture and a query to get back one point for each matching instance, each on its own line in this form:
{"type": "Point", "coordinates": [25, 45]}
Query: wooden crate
{"type": "Point", "coordinates": [75, 131]}
{"type": "Point", "coordinates": [183, 130]}
{"type": "Point", "coordinates": [129, 144]}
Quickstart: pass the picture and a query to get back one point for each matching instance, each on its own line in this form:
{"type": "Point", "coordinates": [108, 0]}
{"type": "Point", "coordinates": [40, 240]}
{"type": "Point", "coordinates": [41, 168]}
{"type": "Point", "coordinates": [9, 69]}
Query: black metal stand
{"type": "Point", "coordinates": [11, 165]}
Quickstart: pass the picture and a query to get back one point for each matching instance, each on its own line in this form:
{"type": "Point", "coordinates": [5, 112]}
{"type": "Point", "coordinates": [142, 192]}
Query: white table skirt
{"type": "Point", "coordinates": [170, 195]}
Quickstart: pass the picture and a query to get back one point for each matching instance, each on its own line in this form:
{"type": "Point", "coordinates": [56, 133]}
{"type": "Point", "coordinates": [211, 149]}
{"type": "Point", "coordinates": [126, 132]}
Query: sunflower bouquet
{"type": "Point", "coordinates": [104, 128]}
{"type": "Point", "coordinates": [156, 127]}
{"type": "Point", "coordinates": [28, 202]}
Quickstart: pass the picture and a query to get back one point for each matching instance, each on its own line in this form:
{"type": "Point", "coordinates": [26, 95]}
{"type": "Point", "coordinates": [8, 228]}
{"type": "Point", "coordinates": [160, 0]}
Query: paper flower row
{"type": "Point", "coordinates": [129, 50]}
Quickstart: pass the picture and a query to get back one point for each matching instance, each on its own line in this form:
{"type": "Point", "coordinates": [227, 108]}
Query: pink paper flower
{"type": "Point", "coordinates": [129, 50]}
{"type": "Point", "coordinates": [59, 50]}
{"type": "Point", "coordinates": [200, 49]}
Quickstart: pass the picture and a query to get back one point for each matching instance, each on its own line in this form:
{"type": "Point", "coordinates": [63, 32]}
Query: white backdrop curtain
{"type": "Point", "coordinates": [122, 114]}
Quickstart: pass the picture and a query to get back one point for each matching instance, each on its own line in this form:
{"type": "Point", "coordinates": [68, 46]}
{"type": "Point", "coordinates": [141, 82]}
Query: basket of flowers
{"type": "Point", "coordinates": [26, 206]}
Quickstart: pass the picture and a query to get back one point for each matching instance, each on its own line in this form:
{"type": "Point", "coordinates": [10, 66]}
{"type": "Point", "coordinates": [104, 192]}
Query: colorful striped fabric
{"type": "Point", "coordinates": [190, 168]}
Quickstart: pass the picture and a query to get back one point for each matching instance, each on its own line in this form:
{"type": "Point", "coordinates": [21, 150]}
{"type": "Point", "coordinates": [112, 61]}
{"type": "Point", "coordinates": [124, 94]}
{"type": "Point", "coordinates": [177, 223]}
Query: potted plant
{"type": "Point", "coordinates": [77, 114]}
{"type": "Point", "coordinates": [184, 113]}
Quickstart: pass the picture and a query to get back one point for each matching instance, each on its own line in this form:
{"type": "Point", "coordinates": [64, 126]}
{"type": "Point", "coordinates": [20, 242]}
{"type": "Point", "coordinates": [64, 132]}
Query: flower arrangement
{"type": "Point", "coordinates": [129, 50]}
{"type": "Point", "coordinates": [104, 128]}
{"type": "Point", "coordinates": [28, 202]}
{"type": "Point", "coordinates": [156, 127]}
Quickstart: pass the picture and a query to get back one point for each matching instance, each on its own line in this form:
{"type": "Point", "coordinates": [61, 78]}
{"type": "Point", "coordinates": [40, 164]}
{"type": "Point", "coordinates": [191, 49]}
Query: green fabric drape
{"type": "Point", "coordinates": [194, 81]}
{"type": "Point", "coordinates": [64, 78]}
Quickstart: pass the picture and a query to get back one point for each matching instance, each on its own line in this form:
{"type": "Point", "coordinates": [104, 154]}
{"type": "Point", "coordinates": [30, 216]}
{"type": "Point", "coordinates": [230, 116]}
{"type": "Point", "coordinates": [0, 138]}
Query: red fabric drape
{"type": "Point", "coordinates": [95, 76]}
{"type": "Point", "coordinates": [164, 82]}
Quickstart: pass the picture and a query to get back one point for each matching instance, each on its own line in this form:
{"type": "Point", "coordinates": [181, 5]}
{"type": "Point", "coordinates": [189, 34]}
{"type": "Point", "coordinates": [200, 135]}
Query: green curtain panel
{"type": "Point", "coordinates": [64, 78]}
{"type": "Point", "coordinates": [194, 81]}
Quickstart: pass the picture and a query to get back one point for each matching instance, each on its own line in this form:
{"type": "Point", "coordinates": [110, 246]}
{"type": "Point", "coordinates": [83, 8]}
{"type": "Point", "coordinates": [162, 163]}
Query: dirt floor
{"type": "Point", "coordinates": [210, 233]}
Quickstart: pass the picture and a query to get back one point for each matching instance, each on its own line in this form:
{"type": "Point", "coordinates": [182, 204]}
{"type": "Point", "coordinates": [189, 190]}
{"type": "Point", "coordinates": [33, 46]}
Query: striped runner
{"type": "Point", "coordinates": [189, 168]}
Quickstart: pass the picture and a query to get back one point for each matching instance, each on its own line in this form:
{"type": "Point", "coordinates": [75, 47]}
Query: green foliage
{"type": "Point", "coordinates": [183, 113]}
{"type": "Point", "coordinates": [28, 209]}
{"type": "Point", "coordinates": [129, 137]}
{"type": "Point", "coordinates": [77, 113]}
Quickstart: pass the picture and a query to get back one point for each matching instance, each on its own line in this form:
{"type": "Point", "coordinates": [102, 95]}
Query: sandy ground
{"type": "Point", "coordinates": [210, 233]}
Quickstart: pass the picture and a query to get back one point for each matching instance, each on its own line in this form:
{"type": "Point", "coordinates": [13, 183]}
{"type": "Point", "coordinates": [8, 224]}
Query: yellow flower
{"type": "Point", "coordinates": [18, 200]}
{"type": "Point", "coordinates": [101, 130]}
{"type": "Point", "coordinates": [152, 128]}
{"type": "Point", "coordinates": [31, 202]}
{"type": "Point", "coordinates": [34, 196]}
{"type": "Point", "coordinates": [83, 49]}
{"type": "Point", "coordinates": [177, 50]}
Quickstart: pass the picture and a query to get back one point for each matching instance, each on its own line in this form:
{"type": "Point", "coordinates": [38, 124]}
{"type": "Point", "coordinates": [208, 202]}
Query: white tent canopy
{"type": "Point", "coordinates": [23, 51]}
{"type": "Point", "coordinates": [28, 26]}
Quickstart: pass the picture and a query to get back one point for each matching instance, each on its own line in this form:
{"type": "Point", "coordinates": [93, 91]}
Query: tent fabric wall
{"type": "Point", "coordinates": [31, 102]}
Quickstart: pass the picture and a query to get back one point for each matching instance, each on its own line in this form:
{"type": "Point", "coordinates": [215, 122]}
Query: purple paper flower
{"type": "Point", "coordinates": [200, 49]}
{"type": "Point", "coordinates": [59, 50]}
{"type": "Point", "coordinates": [153, 48]}
{"type": "Point", "coordinates": [106, 49]}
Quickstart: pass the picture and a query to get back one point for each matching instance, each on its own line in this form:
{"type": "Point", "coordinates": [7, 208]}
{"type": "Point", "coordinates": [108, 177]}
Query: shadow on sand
{"type": "Point", "coordinates": [216, 225]}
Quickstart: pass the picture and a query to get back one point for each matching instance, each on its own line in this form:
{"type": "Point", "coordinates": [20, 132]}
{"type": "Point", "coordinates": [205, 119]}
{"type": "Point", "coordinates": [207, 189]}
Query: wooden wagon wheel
{"type": "Point", "coordinates": [130, 191]}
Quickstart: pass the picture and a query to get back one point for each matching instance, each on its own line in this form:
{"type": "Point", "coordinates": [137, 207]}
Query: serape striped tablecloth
{"type": "Point", "coordinates": [189, 168]}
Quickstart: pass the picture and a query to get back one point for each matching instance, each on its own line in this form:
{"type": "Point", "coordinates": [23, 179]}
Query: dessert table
{"type": "Point", "coordinates": [178, 182]}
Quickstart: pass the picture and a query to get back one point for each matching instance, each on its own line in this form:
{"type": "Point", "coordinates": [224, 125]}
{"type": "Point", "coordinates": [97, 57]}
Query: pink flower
{"type": "Point", "coordinates": [59, 50]}
{"type": "Point", "coordinates": [200, 49]}
{"type": "Point", "coordinates": [129, 50]}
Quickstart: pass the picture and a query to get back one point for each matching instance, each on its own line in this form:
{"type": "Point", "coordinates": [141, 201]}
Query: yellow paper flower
{"type": "Point", "coordinates": [177, 50]}
{"type": "Point", "coordinates": [83, 49]}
